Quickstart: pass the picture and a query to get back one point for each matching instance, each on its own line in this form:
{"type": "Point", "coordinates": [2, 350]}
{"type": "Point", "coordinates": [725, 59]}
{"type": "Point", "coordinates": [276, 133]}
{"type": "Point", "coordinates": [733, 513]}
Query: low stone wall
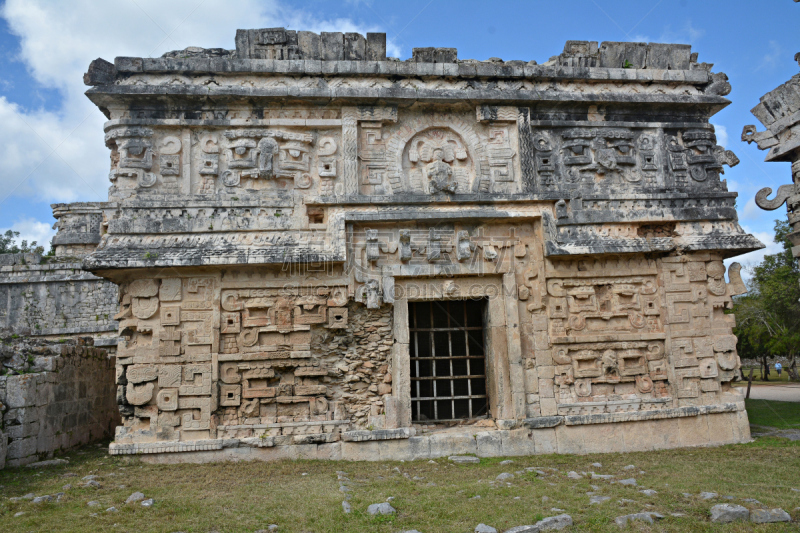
{"type": "Point", "coordinates": [53, 396]}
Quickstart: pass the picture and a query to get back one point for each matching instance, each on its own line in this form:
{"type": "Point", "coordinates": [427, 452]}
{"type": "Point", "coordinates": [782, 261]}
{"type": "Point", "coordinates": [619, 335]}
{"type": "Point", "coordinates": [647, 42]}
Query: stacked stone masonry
{"type": "Point", "coordinates": [53, 396]}
{"type": "Point", "coordinates": [52, 296]}
{"type": "Point", "coordinates": [276, 213]}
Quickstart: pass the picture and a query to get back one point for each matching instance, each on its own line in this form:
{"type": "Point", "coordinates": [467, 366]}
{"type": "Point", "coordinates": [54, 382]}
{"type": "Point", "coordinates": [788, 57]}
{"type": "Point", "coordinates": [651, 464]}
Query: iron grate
{"type": "Point", "coordinates": [448, 361]}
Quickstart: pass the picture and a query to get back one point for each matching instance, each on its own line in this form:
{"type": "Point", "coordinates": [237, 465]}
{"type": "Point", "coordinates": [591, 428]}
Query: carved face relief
{"type": "Point", "coordinates": [437, 161]}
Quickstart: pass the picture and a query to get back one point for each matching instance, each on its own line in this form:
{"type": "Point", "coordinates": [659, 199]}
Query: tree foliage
{"type": "Point", "coordinates": [8, 244]}
{"type": "Point", "coordinates": [768, 316]}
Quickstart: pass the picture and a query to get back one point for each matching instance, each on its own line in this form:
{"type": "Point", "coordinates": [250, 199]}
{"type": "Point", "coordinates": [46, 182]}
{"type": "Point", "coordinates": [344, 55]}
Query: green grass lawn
{"type": "Point", "coordinates": [781, 415]}
{"type": "Point", "coordinates": [773, 377]}
{"type": "Point", "coordinates": [435, 496]}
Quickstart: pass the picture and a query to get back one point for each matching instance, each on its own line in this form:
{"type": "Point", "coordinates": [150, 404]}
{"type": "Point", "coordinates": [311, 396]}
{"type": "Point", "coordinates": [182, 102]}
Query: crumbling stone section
{"type": "Point", "coordinates": [53, 396]}
{"type": "Point", "coordinates": [779, 112]}
{"type": "Point", "coordinates": [278, 212]}
{"type": "Point", "coordinates": [360, 356]}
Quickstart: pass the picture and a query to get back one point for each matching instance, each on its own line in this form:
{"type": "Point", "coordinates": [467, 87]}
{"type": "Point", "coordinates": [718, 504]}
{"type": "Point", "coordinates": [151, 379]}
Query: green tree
{"type": "Point", "coordinates": [9, 246]}
{"type": "Point", "coordinates": [768, 316]}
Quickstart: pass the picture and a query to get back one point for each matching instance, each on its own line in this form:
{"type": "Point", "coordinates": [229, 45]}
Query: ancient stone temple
{"type": "Point", "coordinates": [323, 252]}
{"type": "Point", "coordinates": [779, 112]}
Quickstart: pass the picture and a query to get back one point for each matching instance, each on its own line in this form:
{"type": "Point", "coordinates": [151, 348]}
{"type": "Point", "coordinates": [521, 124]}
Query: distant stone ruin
{"type": "Point", "coordinates": [323, 252]}
{"type": "Point", "coordinates": [779, 112]}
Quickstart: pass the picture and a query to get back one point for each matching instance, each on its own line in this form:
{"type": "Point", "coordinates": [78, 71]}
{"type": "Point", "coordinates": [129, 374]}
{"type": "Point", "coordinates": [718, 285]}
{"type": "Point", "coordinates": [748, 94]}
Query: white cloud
{"type": "Point", "coordinates": [751, 259]}
{"type": "Point", "coordinates": [751, 211]}
{"type": "Point", "coordinates": [58, 155]}
{"type": "Point", "coordinates": [772, 58]}
{"type": "Point", "coordinates": [686, 34]}
{"type": "Point", "coordinates": [722, 134]}
{"type": "Point", "coordinates": [32, 230]}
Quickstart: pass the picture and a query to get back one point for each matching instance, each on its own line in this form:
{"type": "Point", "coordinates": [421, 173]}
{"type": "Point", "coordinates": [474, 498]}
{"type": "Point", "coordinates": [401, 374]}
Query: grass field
{"type": "Point", "coordinates": [781, 415]}
{"type": "Point", "coordinates": [437, 496]}
{"type": "Point", "coordinates": [773, 377]}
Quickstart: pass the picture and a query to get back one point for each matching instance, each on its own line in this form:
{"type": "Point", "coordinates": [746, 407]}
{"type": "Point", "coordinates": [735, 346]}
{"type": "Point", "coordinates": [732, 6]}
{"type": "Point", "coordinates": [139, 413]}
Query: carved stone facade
{"type": "Point", "coordinates": [278, 215]}
{"type": "Point", "coordinates": [779, 112]}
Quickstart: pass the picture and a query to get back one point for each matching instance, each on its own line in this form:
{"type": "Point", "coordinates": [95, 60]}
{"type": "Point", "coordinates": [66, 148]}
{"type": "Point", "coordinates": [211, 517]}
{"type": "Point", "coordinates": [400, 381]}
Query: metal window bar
{"type": "Point", "coordinates": [436, 401]}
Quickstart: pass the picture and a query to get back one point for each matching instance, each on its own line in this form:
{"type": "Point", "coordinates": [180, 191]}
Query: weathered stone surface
{"type": "Point", "coordinates": [381, 508]}
{"type": "Point", "coordinates": [64, 398]}
{"type": "Point", "coordinates": [464, 459]}
{"type": "Point", "coordinates": [483, 528]}
{"type": "Point", "coordinates": [551, 523]}
{"type": "Point", "coordinates": [727, 512]}
{"type": "Point", "coordinates": [765, 516]}
{"type": "Point", "coordinates": [622, 521]}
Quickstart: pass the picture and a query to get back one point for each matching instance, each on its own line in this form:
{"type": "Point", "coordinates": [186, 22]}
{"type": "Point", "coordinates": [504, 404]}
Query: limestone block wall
{"type": "Point", "coordinates": [65, 399]}
{"type": "Point", "coordinates": [55, 298]}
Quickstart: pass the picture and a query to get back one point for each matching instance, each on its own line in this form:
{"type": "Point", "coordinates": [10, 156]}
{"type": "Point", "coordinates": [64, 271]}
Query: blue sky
{"type": "Point", "coordinates": [51, 136]}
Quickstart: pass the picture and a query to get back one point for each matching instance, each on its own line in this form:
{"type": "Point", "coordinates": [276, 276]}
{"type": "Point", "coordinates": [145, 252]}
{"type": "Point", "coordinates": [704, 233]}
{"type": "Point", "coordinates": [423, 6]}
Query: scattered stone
{"type": "Point", "coordinates": [464, 459]}
{"type": "Point", "coordinates": [504, 476]}
{"type": "Point", "coordinates": [135, 497]}
{"type": "Point", "coordinates": [677, 515]}
{"type": "Point", "coordinates": [411, 531]}
{"type": "Point", "coordinates": [725, 513]}
{"type": "Point", "coordinates": [477, 497]}
{"type": "Point", "coordinates": [51, 462]}
{"type": "Point", "coordinates": [483, 528]}
{"type": "Point", "coordinates": [93, 503]}
{"type": "Point", "coordinates": [753, 501]}
{"type": "Point", "coordinates": [574, 475]}
{"type": "Point", "coordinates": [766, 516]}
{"type": "Point", "coordinates": [629, 467]}
{"type": "Point", "coordinates": [111, 510]}
{"type": "Point", "coordinates": [381, 508]}
{"type": "Point", "coordinates": [597, 465]}
{"type": "Point", "coordinates": [29, 496]}
{"type": "Point", "coordinates": [148, 502]}
{"type": "Point", "coordinates": [556, 510]}
{"type": "Point", "coordinates": [19, 514]}
{"type": "Point", "coordinates": [708, 495]}
{"type": "Point", "coordinates": [601, 476]}
{"type": "Point", "coordinates": [551, 523]}
{"type": "Point", "coordinates": [625, 500]}
{"type": "Point", "coordinates": [42, 499]}
{"type": "Point", "coordinates": [506, 462]}
{"type": "Point", "coordinates": [92, 483]}
{"type": "Point", "coordinates": [687, 495]}
{"type": "Point", "coordinates": [272, 527]}
{"type": "Point", "coordinates": [545, 499]}
{"type": "Point", "coordinates": [598, 499]}
{"type": "Point", "coordinates": [88, 478]}
{"type": "Point", "coordinates": [346, 507]}
{"type": "Point", "coordinates": [67, 486]}
{"type": "Point", "coordinates": [622, 521]}
{"type": "Point", "coordinates": [344, 488]}
{"type": "Point", "coordinates": [390, 499]}
{"type": "Point", "coordinates": [628, 482]}
{"type": "Point", "coordinates": [648, 492]}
